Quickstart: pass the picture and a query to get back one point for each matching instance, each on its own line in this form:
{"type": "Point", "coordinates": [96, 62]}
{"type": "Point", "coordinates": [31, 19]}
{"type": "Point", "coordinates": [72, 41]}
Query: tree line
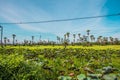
{"type": "Point", "coordinates": [76, 39]}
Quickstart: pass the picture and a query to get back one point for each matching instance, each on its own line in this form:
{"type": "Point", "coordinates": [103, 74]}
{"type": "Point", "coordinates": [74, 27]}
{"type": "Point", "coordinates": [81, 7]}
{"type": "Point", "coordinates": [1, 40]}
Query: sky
{"type": "Point", "coordinates": [42, 10]}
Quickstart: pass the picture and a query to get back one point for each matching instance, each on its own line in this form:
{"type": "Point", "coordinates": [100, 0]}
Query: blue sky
{"type": "Point", "coordinates": [40, 10]}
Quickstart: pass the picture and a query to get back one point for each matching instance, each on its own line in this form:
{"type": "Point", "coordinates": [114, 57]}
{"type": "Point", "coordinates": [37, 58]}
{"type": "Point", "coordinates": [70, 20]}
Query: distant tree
{"type": "Point", "coordinates": [65, 37]}
{"type": "Point", "coordinates": [62, 40]}
{"type": "Point", "coordinates": [105, 40]}
{"type": "Point", "coordinates": [74, 36]}
{"type": "Point", "coordinates": [8, 40]}
{"type": "Point", "coordinates": [13, 35]}
{"type": "Point", "coordinates": [116, 41]}
{"type": "Point", "coordinates": [30, 42]}
{"type": "Point", "coordinates": [25, 42]}
{"type": "Point", "coordinates": [111, 39]}
{"type": "Point", "coordinates": [68, 35]}
{"type": "Point", "coordinates": [58, 39]}
{"type": "Point", "coordinates": [84, 38]}
{"type": "Point", "coordinates": [5, 40]}
{"type": "Point", "coordinates": [40, 38]}
{"type": "Point", "coordinates": [32, 39]}
{"type": "Point", "coordinates": [88, 33]}
{"type": "Point", "coordinates": [16, 41]}
{"type": "Point", "coordinates": [65, 44]}
{"type": "Point", "coordinates": [81, 39]}
{"type": "Point", "coordinates": [92, 38]}
{"type": "Point", "coordinates": [99, 39]}
{"type": "Point", "coordinates": [79, 36]}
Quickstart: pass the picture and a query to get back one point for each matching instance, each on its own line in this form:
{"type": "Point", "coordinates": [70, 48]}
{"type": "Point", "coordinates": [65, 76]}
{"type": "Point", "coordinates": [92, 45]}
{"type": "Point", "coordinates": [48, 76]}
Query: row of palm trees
{"type": "Point", "coordinates": [77, 39]}
{"type": "Point", "coordinates": [84, 38]}
{"type": "Point", "coordinates": [8, 40]}
{"type": "Point", "coordinates": [25, 42]}
{"type": "Point", "coordinates": [87, 39]}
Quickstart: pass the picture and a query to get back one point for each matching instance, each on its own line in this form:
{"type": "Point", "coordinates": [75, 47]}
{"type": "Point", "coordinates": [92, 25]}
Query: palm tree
{"type": "Point", "coordinates": [111, 40]}
{"type": "Point", "coordinates": [65, 37]}
{"type": "Point", "coordinates": [81, 39]}
{"type": "Point", "coordinates": [68, 35]}
{"type": "Point", "coordinates": [88, 33]}
{"type": "Point", "coordinates": [25, 42]}
{"type": "Point", "coordinates": [62, 40]}
{"type": "Point", "coordinates": [116, 41]}
{"type": "Point", "coordinates": [40, 38]}
{"type": "Point", "coordinates": [58, 39]}
{"type": "Point", "coordinates": [92, 38]}
{"type": "Point", "coordinates": [104, 40]}
{"type": "Point", "coordinates": [5, 40]}
{"type": "Point", "coordinates": [13, 38]}
{"type": "Point", "coordinates": [84, 38]}
{"type": "Point", "coordinates": [16, 41]}
{"type": "Point", "coordinates": [79, 36]}
{"type": "Point", "coordinates": [8, 40]}
{"type": "Point", "coordinates": [99, 39]}
{"type": "Point", "coordinates": [32, 39]}
{"type": "Point", "coordinates": [74, 37]}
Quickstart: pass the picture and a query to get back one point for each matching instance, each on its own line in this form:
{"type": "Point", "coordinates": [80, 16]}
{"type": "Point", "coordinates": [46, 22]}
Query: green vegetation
{"type": "Point", "coordinates": [59, 63]}
{"type": "Point", "coordinates": [87, 39]}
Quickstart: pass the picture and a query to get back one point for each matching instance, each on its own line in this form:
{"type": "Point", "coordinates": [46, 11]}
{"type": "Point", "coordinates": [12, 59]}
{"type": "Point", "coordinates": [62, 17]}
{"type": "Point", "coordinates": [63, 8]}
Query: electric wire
{"type": "Point", "coordinates": [61, 20]}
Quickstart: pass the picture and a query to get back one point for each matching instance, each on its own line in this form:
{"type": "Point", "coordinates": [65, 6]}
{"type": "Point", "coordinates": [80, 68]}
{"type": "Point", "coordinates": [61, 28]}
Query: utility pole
{"type": "Point", "coordinates": [1, 29]}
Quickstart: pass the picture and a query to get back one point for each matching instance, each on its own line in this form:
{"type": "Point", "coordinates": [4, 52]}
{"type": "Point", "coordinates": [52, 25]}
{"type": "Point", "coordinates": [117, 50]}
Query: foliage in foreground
{"type": "Point", "coordinates": [59, 64]}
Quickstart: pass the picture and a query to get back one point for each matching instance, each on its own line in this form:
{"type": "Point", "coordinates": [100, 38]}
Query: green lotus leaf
{"type": "Point", "coordinates": [110, 77]}
{"type": "Point", "coordinates": [64, 78]}
{"type": "Point", "coordinates": [83, 77]}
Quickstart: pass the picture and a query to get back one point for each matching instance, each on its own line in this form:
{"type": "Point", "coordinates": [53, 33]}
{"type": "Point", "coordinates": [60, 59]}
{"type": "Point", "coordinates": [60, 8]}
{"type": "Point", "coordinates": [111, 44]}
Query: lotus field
{"type": "Point", "coordinates": [59, 63]}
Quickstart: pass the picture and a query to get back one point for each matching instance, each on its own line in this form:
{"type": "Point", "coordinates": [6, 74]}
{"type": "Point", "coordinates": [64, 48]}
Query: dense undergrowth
{"type": "Point", "coordinates": [59, 64]}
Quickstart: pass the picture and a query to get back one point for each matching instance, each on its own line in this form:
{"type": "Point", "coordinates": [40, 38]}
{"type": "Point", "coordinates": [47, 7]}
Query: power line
{"type": "Point", "coordinates": [60, 20]}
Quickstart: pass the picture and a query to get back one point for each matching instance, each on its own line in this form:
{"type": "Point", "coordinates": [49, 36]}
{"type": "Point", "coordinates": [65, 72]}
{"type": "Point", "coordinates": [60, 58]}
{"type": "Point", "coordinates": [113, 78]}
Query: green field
{"type": "Point", "coordinates": [57, 63]}
{"type": "Point", "coordinates": [116, 47]}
